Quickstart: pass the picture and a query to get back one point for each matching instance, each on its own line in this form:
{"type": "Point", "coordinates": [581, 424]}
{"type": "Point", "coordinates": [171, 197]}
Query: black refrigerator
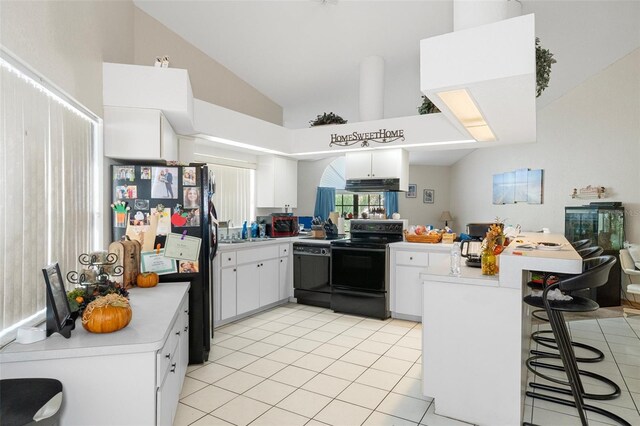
{"type": "Point", "coordinates": [165, 199]}
{"type": "Point", "coordinates": [603, 224]}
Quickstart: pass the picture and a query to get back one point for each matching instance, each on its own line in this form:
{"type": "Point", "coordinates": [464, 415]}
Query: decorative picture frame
{"type": "Point", "coordinates": [413, 191]}
{"type": "Point", "coordinates": [59, 318]}
{"type": "Point", "coordinates": [428, 196]}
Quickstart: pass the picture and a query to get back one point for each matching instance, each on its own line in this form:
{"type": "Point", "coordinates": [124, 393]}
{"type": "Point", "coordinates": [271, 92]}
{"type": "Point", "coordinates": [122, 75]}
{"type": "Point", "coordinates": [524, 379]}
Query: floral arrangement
{"type": "Point", "coordinates": [495, 239]}
{"type": "Point", "coordinates": [81, 296]}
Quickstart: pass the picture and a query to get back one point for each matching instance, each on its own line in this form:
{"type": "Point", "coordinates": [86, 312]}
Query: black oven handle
{"type": "Point", "coordinates": [334, 248]}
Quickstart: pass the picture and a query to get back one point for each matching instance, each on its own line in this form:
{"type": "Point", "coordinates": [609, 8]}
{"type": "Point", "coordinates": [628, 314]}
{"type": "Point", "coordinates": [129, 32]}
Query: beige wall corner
{"type": "Point", "coordinates": [67, 41]}
{"type": "Point", "coordinates": [210, 80]}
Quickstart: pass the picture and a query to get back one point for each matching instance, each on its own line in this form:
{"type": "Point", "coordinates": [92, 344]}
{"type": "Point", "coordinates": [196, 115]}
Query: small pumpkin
{"type": "Point", "coordinates": [147, 279]}
{"type": "Point", "coordinates": [107, 314]}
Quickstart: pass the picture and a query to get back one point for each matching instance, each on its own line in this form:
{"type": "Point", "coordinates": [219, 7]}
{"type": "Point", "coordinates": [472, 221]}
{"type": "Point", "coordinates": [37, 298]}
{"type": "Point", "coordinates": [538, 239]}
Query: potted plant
{"type": "Point", "coordinates": [325, 118]}
{"type": "Point", "coordinates": [427, 106]}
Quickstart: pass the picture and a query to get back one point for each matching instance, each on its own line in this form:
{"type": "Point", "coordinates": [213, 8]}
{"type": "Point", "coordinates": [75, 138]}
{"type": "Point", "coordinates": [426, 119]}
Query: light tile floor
{"type": "Point", "coordinates": [303, 365]}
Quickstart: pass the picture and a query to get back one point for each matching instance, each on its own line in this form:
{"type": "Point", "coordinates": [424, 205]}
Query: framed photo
{"type": "Point", "coordinates": [413, 191]}
{"type": "Point", "coordinates": [58, 311]}
{"type": "Point", "coordinates": [428, 196]}
{"type": "Point", "coordinates": [164, 182]}
{"type": "Point", "coordinates": [188, 176]}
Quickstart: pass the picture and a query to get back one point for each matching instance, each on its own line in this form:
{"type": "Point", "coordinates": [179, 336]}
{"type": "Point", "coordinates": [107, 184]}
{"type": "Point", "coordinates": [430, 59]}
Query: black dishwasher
{"type": "Point", "coordinates": [311, 263]}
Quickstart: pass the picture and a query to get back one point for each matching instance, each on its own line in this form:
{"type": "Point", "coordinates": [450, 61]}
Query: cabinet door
{"type": "Point", "coordinates": [286, 285]}
{"type": "Point", "coordinates": [408, 291]}
{"type": "Point", "coordinates": [386, 163]}
{"type": "Point", "coordinates": [269, 285]}
{"type": "Point", "coordinates": [167, 395]}
{"type": "Point", "coordinates": [286, 182]}
{"type": "Point", "coordinates": [132, 133]}
{"type": "Point", "coordinates": [183, 342]}
{"type": "Point", "coordinates": [248, 288]}
{"type": "Point", "coordinates": [439, 258]}
{"type": "Point", "coordinates": [228, 293]}
{"type": "Point", "coordinates": [358, 165]}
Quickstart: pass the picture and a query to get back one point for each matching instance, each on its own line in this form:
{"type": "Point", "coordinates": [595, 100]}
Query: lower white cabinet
{"type": "Point", "coordinates": [408, 290]}
{"type": "Point", "coordinates": [408, 261]}
{"type": "Point", "coordinates": [141, 368]}
{"type": "Point", "coordinates": [228, 289]}
{"type": "Point", "coordinates": [248, 279]}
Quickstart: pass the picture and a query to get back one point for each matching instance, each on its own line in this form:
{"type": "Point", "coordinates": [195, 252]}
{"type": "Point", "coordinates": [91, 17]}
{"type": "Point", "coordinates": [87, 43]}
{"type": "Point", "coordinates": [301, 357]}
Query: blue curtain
{"type": "Point", "coordinates": [325, 202]}
{"type": "Point", "coordinates": [391, 203]}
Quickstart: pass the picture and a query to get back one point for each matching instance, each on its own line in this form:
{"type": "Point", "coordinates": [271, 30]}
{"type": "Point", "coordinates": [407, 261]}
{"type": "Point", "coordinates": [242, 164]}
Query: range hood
{"type": "Point", "coordinates": [373, 185]}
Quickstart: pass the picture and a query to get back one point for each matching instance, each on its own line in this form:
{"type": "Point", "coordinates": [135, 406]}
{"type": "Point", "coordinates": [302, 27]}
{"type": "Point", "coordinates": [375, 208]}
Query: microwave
{"type": "Point", "coordinates": [284, 226]}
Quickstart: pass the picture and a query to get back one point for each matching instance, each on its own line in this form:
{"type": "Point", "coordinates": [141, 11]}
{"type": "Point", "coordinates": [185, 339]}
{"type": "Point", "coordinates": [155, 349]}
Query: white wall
{"type": "Point", "coordinates": [590, 136]}
{"type": "Point", "coordinates": [415, 210]}
{"type": "Point", "coordinates": [309, 174]}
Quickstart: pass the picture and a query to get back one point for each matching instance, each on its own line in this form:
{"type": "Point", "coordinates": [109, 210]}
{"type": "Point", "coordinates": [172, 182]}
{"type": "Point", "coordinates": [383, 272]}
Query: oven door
{"type": "Point", "coordinates": [359, 269]}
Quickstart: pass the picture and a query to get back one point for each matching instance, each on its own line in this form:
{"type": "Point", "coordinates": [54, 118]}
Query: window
{"type": "Point", "coordinates": [234, 197]}
{"type": "Point", "coordinates": [356, 203]}
{"type": "Point", "coordinates": [49, 190]}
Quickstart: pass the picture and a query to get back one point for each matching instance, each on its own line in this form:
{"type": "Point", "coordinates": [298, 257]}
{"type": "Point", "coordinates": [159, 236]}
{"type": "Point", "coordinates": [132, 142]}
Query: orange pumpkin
{"type": "Point", "coordinates": [147, 279]}
{"type": "Point", "coordinates": [107, 314]}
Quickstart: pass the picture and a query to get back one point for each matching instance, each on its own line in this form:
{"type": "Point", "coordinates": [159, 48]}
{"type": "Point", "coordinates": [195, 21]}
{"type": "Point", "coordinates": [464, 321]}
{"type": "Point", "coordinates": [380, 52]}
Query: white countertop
{"type": "Point", "coordinates": [147, 330]}
{"type": "Point", "coordinates": [421, 246]}
{"type": "Point", "coordinates": [439, 271]}
{"type": "Point", "coordinates": [223, 247]}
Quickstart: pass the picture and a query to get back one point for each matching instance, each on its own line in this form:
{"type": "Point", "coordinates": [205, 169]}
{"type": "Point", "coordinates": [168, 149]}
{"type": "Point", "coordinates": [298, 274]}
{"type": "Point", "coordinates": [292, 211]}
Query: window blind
{"type": "Point", "coordinates": [234, 193]}
{"type": "Point", "coordinates": [46, 195]}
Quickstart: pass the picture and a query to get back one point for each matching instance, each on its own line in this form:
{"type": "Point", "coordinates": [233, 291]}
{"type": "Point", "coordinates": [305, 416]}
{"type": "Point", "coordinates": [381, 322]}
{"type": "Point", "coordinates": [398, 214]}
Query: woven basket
{"type": "Point", "coordinates": [433, 238]}
{"type": "Point", "coordinates": [448, 238]}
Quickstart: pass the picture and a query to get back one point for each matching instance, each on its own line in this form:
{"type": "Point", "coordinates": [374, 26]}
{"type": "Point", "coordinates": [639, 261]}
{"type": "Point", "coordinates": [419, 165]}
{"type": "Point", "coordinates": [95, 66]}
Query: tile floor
{"type": "Point", "coordinates": [302, 365]}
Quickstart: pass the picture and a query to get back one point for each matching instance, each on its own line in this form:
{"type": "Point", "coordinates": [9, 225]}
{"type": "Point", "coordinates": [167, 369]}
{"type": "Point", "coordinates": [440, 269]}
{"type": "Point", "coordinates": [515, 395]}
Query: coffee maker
{"type": "Point", "coordinates": [470, 249]}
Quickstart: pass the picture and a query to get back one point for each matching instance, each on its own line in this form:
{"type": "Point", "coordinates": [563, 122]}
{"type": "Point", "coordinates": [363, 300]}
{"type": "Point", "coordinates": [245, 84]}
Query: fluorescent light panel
{"type": "Point", "coordinates": [238, 144]}
{"type": "Point", "coordinates": [466, 111]}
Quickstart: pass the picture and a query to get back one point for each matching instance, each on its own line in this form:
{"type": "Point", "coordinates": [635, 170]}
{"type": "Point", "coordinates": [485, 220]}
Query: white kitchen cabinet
{"type": "Point", "coordinates": [138, 134]}
{"type": "Point", "coordinates": [408, 290]}
{"type": "Point", "coordinates": [276, 182]}
{"type": "Point", "coordinates": [228, 291]}
{"type": "Point", "coordinates": [248, 288]}
{"type": "Point", "coordinates": [147, 359]}
{"type": "Point", "coordinates": [269, 282]}
{"type": "Point", "coordinates": [286, 285]}
{"type": "Point", "coordinates": [388, 163]}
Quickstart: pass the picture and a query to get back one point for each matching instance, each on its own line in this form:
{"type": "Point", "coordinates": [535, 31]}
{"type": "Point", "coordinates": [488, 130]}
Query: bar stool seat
{"type": "Point", "coordinates": [30, 401]}
{"type": "Point", "coordinates": [595, 274]}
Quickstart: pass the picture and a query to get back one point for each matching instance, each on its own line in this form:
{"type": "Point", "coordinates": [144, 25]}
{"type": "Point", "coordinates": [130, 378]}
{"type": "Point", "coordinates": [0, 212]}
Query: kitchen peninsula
{"type": "Point", "coordinates": [483, 340]}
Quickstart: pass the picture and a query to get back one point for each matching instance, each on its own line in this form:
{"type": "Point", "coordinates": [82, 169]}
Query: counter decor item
{"type": "Point", "coordinates": [107, 314]}
{"type": "Point", "coordinates": [127, 258]}
{"type": "Point", "coordinates": [147, 279]}
{"type": "Point", "coordinates": [421, 235]}
{"type": "Point", "coordinates": [325, 118]}
{"type": "Point", "coordinates": [492, 246]}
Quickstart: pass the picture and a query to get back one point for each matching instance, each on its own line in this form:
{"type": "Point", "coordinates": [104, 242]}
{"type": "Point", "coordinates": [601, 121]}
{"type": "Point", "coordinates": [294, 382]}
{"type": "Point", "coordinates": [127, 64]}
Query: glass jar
{"type": "Point", "coordinates": [488, 261]}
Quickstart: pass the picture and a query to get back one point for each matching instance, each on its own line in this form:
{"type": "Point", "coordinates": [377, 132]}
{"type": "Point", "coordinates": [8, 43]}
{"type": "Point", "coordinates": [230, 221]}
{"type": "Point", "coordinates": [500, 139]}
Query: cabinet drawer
{"type": "Point", "coordinates": [166, 355]}
{"type": "Point", "coordinates": [258, 254]}
{"type": "Point", "coordinates": [412, 258]}
{"type": "Point", "coordinates": [228, 258]}
{"type": "Point", "coordinates": [285, 249]}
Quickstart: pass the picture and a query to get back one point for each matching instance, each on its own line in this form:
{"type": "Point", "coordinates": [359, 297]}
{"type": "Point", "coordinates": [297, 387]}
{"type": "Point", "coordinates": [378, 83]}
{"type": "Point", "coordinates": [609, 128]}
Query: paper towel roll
{"type": "Point", "coordinates": [334, 217]}
{"type": "Point", "coordinates": [340, 225]}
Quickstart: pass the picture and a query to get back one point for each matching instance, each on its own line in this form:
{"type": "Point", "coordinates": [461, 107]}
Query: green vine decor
{"type": "Point", "coordinates": [427, 107]}
{"type": "Point", "coordinates": [544, 60]}
{"type": "Point", "coordinates": [329, 118]}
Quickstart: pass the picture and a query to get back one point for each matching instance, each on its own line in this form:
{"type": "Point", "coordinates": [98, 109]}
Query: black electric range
{"type": "Point", "coordinates": [360, 265]}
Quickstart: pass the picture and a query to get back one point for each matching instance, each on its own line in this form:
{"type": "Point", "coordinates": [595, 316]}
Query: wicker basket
{"type": "Point", "coordinates": [432, 238]}
{"type": "Point", "coordinates": [448, 238]}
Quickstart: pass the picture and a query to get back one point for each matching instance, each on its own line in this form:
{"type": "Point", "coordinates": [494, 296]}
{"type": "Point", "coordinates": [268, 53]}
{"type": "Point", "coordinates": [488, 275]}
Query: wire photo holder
{"type": "Point", "coordinates": [59, 318]}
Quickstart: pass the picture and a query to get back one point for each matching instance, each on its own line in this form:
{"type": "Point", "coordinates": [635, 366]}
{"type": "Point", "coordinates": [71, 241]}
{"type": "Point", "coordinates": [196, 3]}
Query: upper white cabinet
{"type": "Point", "coordinates": [138, 134]}
{"type": "Point", "coordinates": [277, 182]}
{"type": "Point", "coordinates": [388, 163]}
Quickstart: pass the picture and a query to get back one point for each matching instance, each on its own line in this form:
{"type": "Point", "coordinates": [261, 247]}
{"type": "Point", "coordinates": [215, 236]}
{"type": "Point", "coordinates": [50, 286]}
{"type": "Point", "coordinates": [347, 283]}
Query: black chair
{"type": "Point", "coordinates": [580, 244]}
{"type": "Point", "coordinates": [595, 274]}
{"type": "Point", "coordinates": [540, 336]}
{"type": "Point", "coordinates": [30, 402]}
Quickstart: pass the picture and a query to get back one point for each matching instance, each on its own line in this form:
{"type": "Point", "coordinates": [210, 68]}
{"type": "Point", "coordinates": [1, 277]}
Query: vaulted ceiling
{"type": "Point", "coordinates": [305, 54]}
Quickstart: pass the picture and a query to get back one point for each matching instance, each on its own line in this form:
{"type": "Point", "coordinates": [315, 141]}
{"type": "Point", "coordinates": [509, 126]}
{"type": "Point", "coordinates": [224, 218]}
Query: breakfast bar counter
{"type": "Point", "coordinates": [476, 332]}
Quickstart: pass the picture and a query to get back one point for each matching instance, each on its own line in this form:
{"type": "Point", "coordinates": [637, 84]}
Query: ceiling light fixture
{"type": "Point", "coordinates": [239, 144]}
{"type": "Point", "coordinates": [466, 111]}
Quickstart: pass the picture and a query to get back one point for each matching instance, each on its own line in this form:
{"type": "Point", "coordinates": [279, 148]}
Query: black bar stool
{"type": "Point", "coordinates": [595, 274]}
{"type": "Point", "coordinates": [30, 402]}
{"type": "Point", "coordinates": [580, 244]}
{"type": "Point", "coordinates": [540, 335]}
